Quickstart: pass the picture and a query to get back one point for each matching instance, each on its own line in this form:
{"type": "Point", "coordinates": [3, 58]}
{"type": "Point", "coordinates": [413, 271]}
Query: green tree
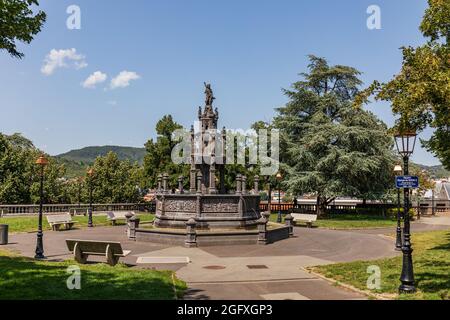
{"type": "Point", "coordinates": [420, 92]}
{"type": "Point", "coordinates": [18, 23]}
{"type": "Point", "coordinates": [115, 181]}
{"type": "Point", "coordinates": [55, 186]}
{"type": "Point", "coordinates": [20, 176]}
{"type": "Point", "coordinates": [332, 149]}
{"type": "Point", "coordinates": [158, 154]}
{"type": "Point", "coordinates": [15, 173]}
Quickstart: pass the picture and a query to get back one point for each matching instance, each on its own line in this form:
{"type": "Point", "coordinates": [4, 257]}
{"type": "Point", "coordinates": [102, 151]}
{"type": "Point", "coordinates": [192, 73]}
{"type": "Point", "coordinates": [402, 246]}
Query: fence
{"type": "Point", "coordinates": [14, 209]}
{"type": "Point", "coordinates": [356, 208]}
{"type": "Point", "coordinates": [424, 207]}
{"type": "Point", "coordinates": [432, 207]}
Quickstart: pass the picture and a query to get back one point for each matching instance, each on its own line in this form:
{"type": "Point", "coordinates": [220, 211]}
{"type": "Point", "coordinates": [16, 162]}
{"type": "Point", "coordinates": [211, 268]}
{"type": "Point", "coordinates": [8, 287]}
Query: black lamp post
{"type": "Point", "coordinates": [405, 142]}
{"type": "Point", "coordinates": [398, 240]}
{"type": "Point", "coordinates": [279, 177]}
{"type": "Point", "coordinates": [90, 174]}
{"type": "Point", "coordinates": [42, 162]}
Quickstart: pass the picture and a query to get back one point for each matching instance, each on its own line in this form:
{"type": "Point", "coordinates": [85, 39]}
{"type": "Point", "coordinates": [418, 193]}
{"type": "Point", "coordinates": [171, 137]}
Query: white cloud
{"type": "Point", "coordinates": [112, 102]}
{"type": "Point", "coordinates": [123, 79]}
{"type": "Point", "coordinates": [63, 58]}
{"type": "Point", "coordinates": [94, 79]}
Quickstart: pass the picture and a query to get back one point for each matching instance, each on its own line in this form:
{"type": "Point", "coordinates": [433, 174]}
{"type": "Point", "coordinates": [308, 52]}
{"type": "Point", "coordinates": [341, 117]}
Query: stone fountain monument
{"type": "Point", "coordinates": [206, 214]}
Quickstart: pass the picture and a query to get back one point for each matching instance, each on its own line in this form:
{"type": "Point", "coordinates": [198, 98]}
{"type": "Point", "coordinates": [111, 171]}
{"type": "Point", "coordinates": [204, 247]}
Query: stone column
{"type": "Point", "coordinates": [180, 185]}
{"type": "Point", "coordinates": [193, 172]}
{"type": "Point", "coordinates": [256, 185]}
{"type": "Point", "coordinates": [159, 179]}
{"type": "Point", "coordinates": [238, 184]}
{"type": "Point", "coordinates": [244, 185]}
{"type": "Point", "coordinates": [288, 220]}
{"type": "Point", "coordinates": [191, 234]}
{"type": "Point", "coordinates": [212, 179]}
{"type": "Point", "coordinates": [133, 224]}
{"type": "Point", "coordinates": [262, 231]}
{"type": "Point", "coordinates": [192, 180]}
{"type": "Point", "coordinates": [165, 180]}
{"type": "Point", "coordinates": [199, 182]}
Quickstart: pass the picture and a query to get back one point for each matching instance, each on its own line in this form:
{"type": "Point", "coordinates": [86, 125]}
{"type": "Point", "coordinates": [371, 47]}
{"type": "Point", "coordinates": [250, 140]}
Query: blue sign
{"type": "Point", "coordinates": [407, 182]}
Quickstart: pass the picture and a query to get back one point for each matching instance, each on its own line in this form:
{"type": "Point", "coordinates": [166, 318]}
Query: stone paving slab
{"type": "Point", "coordinates": [162, 260]}
{"type": "Point", "coordinates": [284, 296]}
{"type": "Point", "coordinates": [313, 289]}
{"type": "Point", "coordinates": [206, 267]}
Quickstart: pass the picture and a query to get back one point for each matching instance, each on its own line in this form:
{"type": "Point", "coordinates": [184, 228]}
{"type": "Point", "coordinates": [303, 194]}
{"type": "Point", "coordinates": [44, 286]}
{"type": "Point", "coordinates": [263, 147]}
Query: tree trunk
{"type": "Point", "coordinates": [321, 206]}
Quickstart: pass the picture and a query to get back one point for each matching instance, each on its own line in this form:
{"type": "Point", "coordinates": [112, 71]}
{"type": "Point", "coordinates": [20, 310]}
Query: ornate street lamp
{"type": "Point", "coordinates": [398, 241]}
{"type": "Point", "coordinates": [90, 173]}
{"type": "Point", "coordinates": [42, 162]}
{"type": "Point", "coordinates": [405, 142]}
{"type": "Point", "coordinates": [279, 177]}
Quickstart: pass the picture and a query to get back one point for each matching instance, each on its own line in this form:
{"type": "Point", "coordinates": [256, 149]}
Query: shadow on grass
{"type": "Point", "coordinates": [444, 246]}
{"type": "Point", "coordinates": [24, 278]}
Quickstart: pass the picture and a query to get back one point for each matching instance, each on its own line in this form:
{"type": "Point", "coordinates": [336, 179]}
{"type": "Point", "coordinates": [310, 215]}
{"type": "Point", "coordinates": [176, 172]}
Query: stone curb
{"type": "Point", "coordinates": [350, 287]}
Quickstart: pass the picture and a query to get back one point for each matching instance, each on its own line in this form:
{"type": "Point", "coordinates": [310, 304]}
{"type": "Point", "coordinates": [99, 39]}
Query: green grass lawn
{"type": "Point", "coordinates": [29, 223]}
{"type": "Point", "coordinates": [431, 258]}
{"type": "Point", "coordinates": [346, 221]}
{"type": "Point", "coordinates": [25, 278]}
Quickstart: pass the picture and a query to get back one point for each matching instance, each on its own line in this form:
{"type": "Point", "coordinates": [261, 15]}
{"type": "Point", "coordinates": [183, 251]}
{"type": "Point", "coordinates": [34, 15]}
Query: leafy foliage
{"type": "Point", "coordinates": [20, 176]}
{"type": "Point", "coordinates": [115, 181]}
{"type": "Point", "coordinates": [158, 157]}
{"type": "Point", "coordinates": [331, 148]}
{"type": "Point", "coordinates": [420, 93]}
{"type": "Point", "coordinates": [18, 23]}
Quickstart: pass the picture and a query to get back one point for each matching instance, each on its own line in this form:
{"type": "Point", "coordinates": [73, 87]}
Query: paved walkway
{"type": "Point", "coordinates": [243, 271]}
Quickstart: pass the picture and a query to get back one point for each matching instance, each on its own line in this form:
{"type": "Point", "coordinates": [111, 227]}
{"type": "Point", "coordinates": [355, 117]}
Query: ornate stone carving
{"type": "Point", "coordinates": [175, 205]}
{"type": "Point", "coordinates": [219, 205]}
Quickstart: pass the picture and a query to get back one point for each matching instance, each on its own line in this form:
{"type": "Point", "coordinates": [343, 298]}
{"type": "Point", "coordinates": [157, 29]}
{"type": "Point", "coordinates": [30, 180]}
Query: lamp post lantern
{"type": "Point", "coordinates": [42, 162]}
{"type": "Point", "coordinates": [90, 173]}
{"type": "Point", "coordinates": [279, 177]}
{"type": "Point", "coordinates": [405, 142]}
{"type": "Point", "coordinates": [398, 240]}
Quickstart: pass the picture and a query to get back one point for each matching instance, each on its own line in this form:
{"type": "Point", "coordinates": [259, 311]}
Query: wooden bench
{"type": "Point", "coordinates": [303, 217]}
{"type": "Point", "coordinates": [55, 221]}
{"type": "Point", "coordinates": [113, 216]}
{"type": "Point", "coordinates": [81, 249]}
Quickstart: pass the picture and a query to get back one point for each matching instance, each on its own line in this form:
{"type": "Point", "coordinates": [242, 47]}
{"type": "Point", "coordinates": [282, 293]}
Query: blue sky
{"type": "Point", "coordinates": [248, 50]}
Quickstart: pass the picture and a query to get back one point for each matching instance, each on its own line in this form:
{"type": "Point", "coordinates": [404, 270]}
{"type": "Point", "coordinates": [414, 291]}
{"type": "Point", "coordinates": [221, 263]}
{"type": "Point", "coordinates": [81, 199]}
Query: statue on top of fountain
{"type": "Point", "coordinates": [209, 97]}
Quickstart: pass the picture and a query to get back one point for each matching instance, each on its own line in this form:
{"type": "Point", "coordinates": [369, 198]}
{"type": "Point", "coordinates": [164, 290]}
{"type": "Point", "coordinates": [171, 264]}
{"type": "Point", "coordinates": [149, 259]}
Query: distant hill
{"type": "Point", "coordinates": [436, 171]}
{"type": "Point", "coordinates": [77, 161]}
{"type": "Point", "coordinates": [88, 155]}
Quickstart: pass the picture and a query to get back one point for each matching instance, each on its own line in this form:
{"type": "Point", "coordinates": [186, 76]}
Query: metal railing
{"type": "Point", "coordinates": [357, 208]}
{"type": "Point", "coordinates": [30, 209]}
